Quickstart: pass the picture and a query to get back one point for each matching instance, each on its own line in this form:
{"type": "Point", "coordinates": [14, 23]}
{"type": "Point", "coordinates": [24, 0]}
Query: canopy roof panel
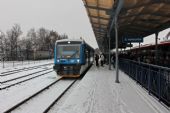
{"type": "Point", "coordinates": [144, 17]}
{"type": "Point", "coordinates": [97, 12]}
{"type": "Point", "coordinates": [136, 18]}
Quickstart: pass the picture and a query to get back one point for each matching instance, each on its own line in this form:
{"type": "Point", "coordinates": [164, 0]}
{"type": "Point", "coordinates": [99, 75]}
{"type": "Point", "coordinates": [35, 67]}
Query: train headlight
{"type": "Point", "coordinates": [78, 60]}
{"type": "Point", "coordinates": [58, 60]}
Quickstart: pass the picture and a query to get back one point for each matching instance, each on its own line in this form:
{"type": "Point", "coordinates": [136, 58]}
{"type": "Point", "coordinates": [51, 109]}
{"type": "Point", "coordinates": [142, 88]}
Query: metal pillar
{"type": "Point", "coordinates": [109, 53]}
{"type": "Point", "coordinates": [117, 52]}
{"type": "Point", "coordinates": [119, 7]}
{"type": "Point", "coordinates": [156, 48]}
{"type": "Point", "coordinates": [138, 52]}
{"type": "Point", "coordinates": [114, 22]}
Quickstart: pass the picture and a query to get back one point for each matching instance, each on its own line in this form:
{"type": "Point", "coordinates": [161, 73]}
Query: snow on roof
{"type": "Point", "coordinates": [78, 40]}
{"type": "Point", "coordinates": [165, 42]}
{"type": "Point", "coordinates": [70, 40]}
{"type": "Point", "coordinates": [151, 44]}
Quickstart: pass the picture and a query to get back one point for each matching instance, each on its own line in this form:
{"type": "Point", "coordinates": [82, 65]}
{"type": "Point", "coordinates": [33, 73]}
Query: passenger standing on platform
{"type": "Point", "coordinates": [102, 59]}
{"type": "Point", "coordinates": [113, 61]}
{"type": "Point", "coordinates": [97, 60]}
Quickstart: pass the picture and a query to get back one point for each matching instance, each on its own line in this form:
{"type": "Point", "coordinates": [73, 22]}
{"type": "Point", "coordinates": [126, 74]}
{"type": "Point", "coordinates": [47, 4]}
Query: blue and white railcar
{"type": "Point", "coordinates": [72, 57]}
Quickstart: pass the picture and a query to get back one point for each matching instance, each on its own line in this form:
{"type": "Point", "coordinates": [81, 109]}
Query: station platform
{"type": "Point", "coordinates": [97, 92]}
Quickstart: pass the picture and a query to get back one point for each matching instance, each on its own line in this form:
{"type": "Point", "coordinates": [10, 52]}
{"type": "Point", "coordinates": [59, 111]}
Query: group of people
{"type": "Point", "coordinates": [101, 57]}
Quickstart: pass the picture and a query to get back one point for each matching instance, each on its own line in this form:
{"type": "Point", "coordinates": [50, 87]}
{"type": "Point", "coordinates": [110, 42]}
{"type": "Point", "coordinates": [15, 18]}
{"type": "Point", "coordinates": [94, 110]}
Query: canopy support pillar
{"type": "Point", "coordinates": [156, 48]}
{"type": "Point", "coordinates": [109, 53]}
{"type": "Point", "coordinates": [117, 52]}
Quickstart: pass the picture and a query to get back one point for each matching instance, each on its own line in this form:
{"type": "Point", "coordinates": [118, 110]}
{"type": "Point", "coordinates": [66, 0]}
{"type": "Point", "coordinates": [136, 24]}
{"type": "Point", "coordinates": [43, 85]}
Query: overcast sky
{"type": "Point", "coordinates": [63, 16]}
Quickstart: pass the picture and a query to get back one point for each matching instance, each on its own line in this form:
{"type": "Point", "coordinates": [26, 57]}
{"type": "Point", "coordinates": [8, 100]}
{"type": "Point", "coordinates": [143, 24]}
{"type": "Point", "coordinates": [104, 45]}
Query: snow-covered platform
{"type": "Point", "coordinates": [98, 93]}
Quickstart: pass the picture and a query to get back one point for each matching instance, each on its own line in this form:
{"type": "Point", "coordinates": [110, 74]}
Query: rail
{"type": "Point", "coordinates": [155, 79]}
{"type": "Point", "coordinates": [8, 62]}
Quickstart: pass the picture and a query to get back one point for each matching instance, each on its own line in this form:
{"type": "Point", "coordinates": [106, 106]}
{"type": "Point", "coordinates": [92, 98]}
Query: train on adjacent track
{"type": "Point", "coordinates": [72, 57]}
{"type": "Point", "coordinates": [147, 54]}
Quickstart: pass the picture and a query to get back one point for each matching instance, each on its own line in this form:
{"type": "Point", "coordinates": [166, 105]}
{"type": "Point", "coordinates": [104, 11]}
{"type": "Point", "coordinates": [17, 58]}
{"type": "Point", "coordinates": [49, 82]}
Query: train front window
{"type": "Point", "coordinates": [68, 51]}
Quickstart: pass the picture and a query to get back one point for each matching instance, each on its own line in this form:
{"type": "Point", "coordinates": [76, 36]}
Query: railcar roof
{"type": "Point", "coordinates": [64, 40]}
{"type": "Point", "coordinates": [77, 40]}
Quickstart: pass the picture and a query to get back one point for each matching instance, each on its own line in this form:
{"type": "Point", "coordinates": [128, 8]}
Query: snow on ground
{"type": "Point", "coordinates": [10, 97]}
{"type": "Point", "coordinates": [45, 98]}
{"type": "Point", "coordinates": [98, 93]}
{"type": "Point", "coordinates": [15, 75]}
{"type": "Point", "coordinates": [13, 95]}
{"type": "Point", "coordinates": [18, 64]}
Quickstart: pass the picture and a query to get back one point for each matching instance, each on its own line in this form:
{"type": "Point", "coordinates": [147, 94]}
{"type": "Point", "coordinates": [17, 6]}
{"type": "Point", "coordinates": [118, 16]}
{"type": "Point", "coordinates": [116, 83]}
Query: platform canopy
{"type": "Point", "coordinates": [137, 18]}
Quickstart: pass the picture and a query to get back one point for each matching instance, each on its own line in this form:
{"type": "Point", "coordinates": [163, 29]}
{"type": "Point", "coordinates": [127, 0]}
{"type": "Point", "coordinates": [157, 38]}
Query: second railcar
{"type": "Point", "coordinates": [72, 57]}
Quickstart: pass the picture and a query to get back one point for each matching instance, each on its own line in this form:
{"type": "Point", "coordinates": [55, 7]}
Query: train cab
{"type": "Point", "coordinates": [72, 57]}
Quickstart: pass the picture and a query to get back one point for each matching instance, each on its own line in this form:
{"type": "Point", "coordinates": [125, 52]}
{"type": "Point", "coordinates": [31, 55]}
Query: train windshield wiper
{"type": "Point", "coordinates": [74, 54]}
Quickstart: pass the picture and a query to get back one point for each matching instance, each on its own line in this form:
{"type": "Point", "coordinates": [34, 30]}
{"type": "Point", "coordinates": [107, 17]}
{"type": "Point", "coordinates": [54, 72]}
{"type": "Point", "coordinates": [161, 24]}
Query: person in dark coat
{"type": "Point", "coordinates": [102, 59]}
{"type": "Point", "coordinates": [97, 59]}
{"type": "Point", "coordinates": [113, 61]}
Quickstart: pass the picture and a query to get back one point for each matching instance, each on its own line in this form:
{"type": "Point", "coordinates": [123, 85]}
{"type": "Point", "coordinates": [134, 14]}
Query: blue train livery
{"type": "Point", "coordinates": [72, 57]}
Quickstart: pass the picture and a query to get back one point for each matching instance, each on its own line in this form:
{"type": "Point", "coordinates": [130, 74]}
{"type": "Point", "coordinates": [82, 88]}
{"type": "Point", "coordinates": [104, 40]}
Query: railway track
{"type": "Point", "coordinates": [18, 80]}
{"type": "Point", "coordinates": [47, 97]}
{"type": "Point", "coordinates": [37, 95]}
{"type": "Point", "coordinates": [23, 69]}
{"type": "Point", "coordinates": [22, 76]}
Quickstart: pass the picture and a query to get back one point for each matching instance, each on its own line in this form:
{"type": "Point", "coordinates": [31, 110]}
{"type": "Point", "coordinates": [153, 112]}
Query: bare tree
{"type": "Point", "coordinates": [64, 36]}
{"type": "Point", "coordinates": [53, 37]}
{"type": "Point", "coordinates": [13, 36]}
{"type": "Point", "coordinates": [6, 46]}
{"type": "Point", "coordinates": [43, 35]}
{"type": "Point", "coordinates": [2, 37]}
{"type": "Point", "coordinates": [28, 46]}
{"type": "Point", "coordinates": [2, 48]}
{"type": "Point", "coordinates": [33, 38]}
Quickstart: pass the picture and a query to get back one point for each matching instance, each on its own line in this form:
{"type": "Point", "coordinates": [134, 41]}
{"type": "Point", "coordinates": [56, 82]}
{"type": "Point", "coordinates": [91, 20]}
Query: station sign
{"type": "Point", "coordinates": [132, 39]}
